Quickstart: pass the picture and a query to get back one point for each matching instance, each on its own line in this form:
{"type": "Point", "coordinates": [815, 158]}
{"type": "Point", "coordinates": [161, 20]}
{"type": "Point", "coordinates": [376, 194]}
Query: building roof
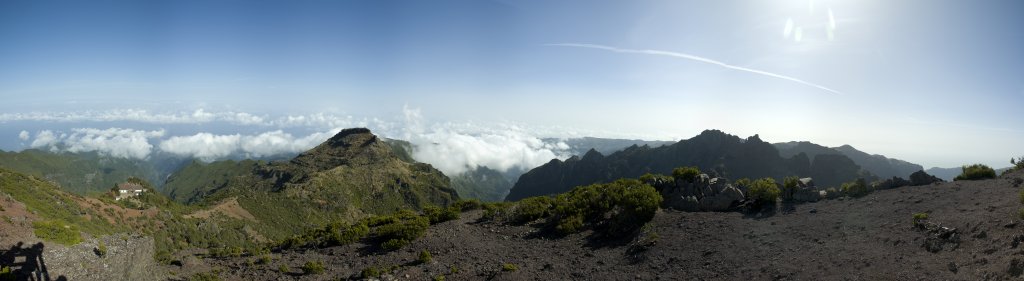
{"type": "Point", "coordinates": [129, 186]}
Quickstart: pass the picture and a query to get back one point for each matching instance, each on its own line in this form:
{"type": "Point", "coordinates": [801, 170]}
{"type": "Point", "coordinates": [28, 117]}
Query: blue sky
{"type": "Point", "coordinates": [932, 82]}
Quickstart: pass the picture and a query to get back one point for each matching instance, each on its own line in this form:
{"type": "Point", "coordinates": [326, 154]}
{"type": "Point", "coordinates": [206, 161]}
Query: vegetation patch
{"type": "Point", "coordinates": [763, 191]}
{"type": "Point", "coordinates": [313, 267]}
{"type": "Point", "coordinates": [425, 257]}
{"type": "Point", "coordinates": [976, 172]}
{"type": "Point", "coordinates": [531, 209]}
{"type": "Point", "coordinates": [685, 173]}
{"type": "Point", "coordinates": [57, 231]}
{"type": "Point", "coordinates": [438, 215]}
{"type": "Point", "coordinates": [615, 209]}
{"type": "Point", "coordinates": [856, 188]}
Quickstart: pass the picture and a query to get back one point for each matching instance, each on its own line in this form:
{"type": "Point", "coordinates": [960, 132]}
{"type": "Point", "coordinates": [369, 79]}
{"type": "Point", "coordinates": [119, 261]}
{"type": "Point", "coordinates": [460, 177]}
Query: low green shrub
{"type": "Point", "coordinates": [789, 187]}
{"type": "Point", "coordinates": [57, 231]}
{"type": "Point", "coordinates": [101, 249]}
{"type": "Point", "coordinates": [685, 173]}
{"type": "Point", "coordinates": [283, 268]}
{"type": "Point", "coordinates": [313, 267]}
{"type": "Point", "coordinates": [497, 211]}
{"type": "Point", "coordinates": [438, 215]}
{"type": "Point", "coordinates": [976, 172]}
{"type": "Point", "coordinates": [618, 208]}
{"type": "Point", "coordinates": [763, 191]}
{"type": "Point", "coordinates": [509, 267]}
{"type": "Point", "coordinates": [531, 209]}
{"type": "Point", "coordinates": [6, 274]}
{"type": "Point", "coordinates": [919, 218]}
{"type": "Point", "coordinates": [425, 257]}
{"type": "Point", "coordinates": [743, 183]}
{"type": "Point", "coordinates": [370, 272]}
{"type": "Point", "coordinates": [856, 188]}
{"type": "Point", "coordinates": [204, 276]}
{"type": "Point", "coordinates": [467, 205]}
{"type": "Point", "coordinates": [407, 228]}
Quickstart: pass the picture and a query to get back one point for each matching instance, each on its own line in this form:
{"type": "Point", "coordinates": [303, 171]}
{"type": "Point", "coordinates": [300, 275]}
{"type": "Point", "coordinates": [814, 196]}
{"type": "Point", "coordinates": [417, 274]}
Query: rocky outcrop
{"type": "Point", "coordinates": [703, 193]}
{"type": "Point", "coordinates": [922, 178]}
{"type": "Point", "coordinates": [127, 257]}
{"type": "Point", "coordinates": [894, 182]}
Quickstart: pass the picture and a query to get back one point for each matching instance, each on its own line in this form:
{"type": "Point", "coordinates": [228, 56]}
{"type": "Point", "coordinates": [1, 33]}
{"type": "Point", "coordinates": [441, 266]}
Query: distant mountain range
{"type": "Point", "coordinates": [876, 164]}
{"type": "Point", "coordinates": [713, 151]}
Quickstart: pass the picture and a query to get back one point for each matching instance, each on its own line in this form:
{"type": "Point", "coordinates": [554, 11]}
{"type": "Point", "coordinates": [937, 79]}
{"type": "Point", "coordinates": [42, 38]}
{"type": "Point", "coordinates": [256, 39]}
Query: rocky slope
{"type": "Point", "coordinates": [972, 232]}
{"type": "Point", "coordinates": [712, 150]}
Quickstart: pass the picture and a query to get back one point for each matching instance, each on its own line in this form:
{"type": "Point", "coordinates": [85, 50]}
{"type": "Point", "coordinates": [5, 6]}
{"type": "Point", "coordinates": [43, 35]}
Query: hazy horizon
{"type": "Point", "coordinates": [935, 83]}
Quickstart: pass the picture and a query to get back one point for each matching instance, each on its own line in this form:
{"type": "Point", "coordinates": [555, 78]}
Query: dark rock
{"type": "Point", "coordinates": [952, 267]}
{"type": "Point", "coordinates": [1015, 268]}
{"type": "Point", "coordinates": [814, 211]}
{"type": "Point", "coordinates": [894, 182]}
{"type": "Point", "coordinates": [922, 178]}
{"type": "Point", "coordinates": [1010, 224]}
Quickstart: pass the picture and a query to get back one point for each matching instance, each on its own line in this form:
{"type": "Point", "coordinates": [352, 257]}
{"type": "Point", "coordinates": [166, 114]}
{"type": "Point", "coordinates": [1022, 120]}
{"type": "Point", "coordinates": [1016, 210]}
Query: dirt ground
{"type": "Point", "coordinates": [869, 238]}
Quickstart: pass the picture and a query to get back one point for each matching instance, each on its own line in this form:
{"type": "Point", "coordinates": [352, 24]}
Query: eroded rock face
{"type": "Point", "coordinates": [126, 258]}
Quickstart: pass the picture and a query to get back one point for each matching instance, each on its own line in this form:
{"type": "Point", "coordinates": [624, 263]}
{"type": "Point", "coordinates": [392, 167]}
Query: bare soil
{"type": "Point", "coordinates": [869, 238]}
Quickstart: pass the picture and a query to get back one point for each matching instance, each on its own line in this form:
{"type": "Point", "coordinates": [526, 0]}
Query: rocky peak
{"type": "Point", "coordinates": [348, 147]}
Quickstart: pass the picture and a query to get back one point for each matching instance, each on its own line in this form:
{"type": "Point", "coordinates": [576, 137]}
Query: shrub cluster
{"type": "Point", "coordinates": [617, 208]}
{"type": "Point", "coordinates": [438, 215]}
{"type": "Point", "coordinates": [531, 209]}
{"type": "Point", "coordinates": [685, 173]}
{"type": "Point", "coordinates": [467, 205]}
{"type": "Point", "coordinates": [406, 227]}
{"type": "Point", "coordinates": [496, 211]}
{"type": "Point", "coordinates": [856, 188]}
{"type": "Point", "coordinates": [976, 172]}
{"type": "Point", "coordinates": [789, 187]}
{"type": "Point", "coordinates": [57, 231]}
{"type": "Point", "coordinates": [313, 267]}
{"type": "Point", "coordinates": [763, 191]}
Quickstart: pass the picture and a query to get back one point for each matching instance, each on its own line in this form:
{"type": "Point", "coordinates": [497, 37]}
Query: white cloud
{"type": "Point", "coordinates": [44, 139]}
{"type": "Point", "coordinates": [23, 135]}
{"type": "Point", "coordinates": [115, 142]}
{"type": "Point", "coordinates": [210, 147]}
{"type": "Point", "coordinates": [205, 146]}
{"type": "Point", "coordinates": [456, 148]}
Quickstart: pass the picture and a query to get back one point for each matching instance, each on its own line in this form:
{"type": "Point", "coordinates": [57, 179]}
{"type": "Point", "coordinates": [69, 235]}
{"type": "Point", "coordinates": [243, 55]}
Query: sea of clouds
{"type": "Point", "coordinates": [452, 147]}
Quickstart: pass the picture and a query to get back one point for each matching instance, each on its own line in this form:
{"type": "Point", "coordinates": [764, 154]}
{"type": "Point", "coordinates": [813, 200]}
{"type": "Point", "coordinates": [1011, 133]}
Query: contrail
{"type": "Point", "coordinates": [694, 58]}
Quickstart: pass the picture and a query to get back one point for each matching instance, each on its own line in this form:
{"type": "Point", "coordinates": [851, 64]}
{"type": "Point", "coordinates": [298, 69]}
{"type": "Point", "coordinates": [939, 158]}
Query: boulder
{"type": "Point", "coordinates": [894, 182]}
{"type": "Point", "coordinates": [723, 201]}
{"type": "Point", "coordinates": [805, 182]}
{"type": "Point", "coordinates": [685, 203]}
{"type": "Point", "coordinates": [922, 178]}
{"type": "Point", "coordinates": [807, 195]}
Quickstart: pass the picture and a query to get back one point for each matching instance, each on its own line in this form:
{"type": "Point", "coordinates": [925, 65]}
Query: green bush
{"type": "Point", "coordinates": [742, 183]}
{"type": "Point", "coordinates": [57, 231]}
{"type": "Point", "coordinates": [919, 218]}
{"type": "Point", "coordinates": [496, 211]}
{"type": "Point", "coordinates": [439, 277]}
{"type": "Point", "coordinates": [763, 191]}
{"type": "Point", "coordinates": [789, 187]}
{"type": "Point", "coordinates": [467, 205]}
{"type": "Point", "coordinates": [425, 257]}
{"type": "Point", "coordinates": [397, 234]}
{"type": "Point", "coordinates": [438, 215]}
{"type": "Point", "coordinates": [283, 268]}
{"type": "Point", "coordinates": [6, 274]}
{"type": "Point", "coordinates": [618, 207]}
{"type": "Point", "coordinates": [313, 267]}
{"type": "Point", "coordinates": [856, 188]}
{"type": "Point", "coordinates": [101, 249]}
{"type": "Point", "coordinates": [1018, 164]}
{"type": "Point", "coordinates": [976, 172]}
{"type": "Point", "coordinates": [204, 276]}
{"type": "Point", "coordinates": [531, 209]}
{"type": "Point", "coordinates": [509, 267]}
{"type": "Point", "coordinates": [370, 272]}
{"type": "Point", "coordinates": [685, 173]}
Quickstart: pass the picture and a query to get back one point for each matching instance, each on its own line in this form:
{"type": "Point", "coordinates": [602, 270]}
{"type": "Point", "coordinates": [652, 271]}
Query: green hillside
{"type": "Point", "coordinates": [79, 173]}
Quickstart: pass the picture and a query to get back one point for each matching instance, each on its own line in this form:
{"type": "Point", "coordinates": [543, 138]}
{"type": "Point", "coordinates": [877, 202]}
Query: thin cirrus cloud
{"type": "Point", "coordinates": [698, 59]}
